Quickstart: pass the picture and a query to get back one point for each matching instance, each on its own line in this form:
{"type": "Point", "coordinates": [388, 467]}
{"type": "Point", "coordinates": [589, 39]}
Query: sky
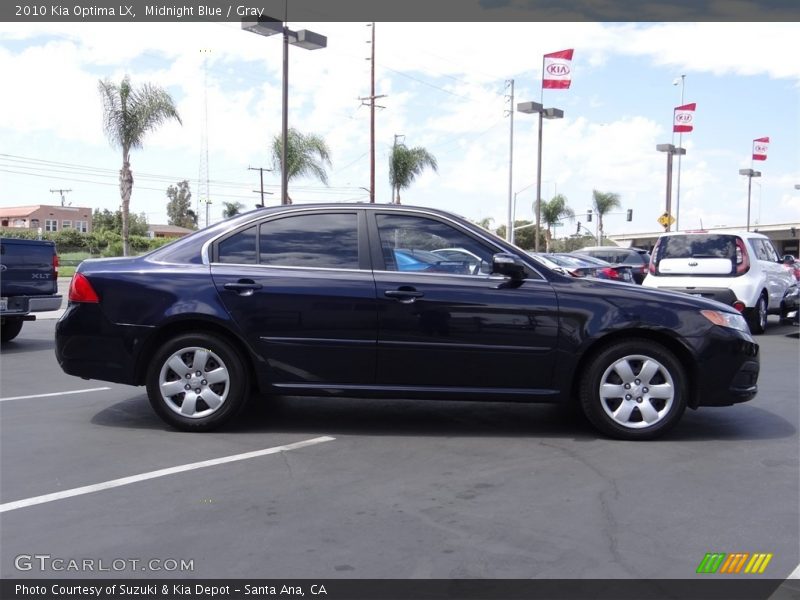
{"type": "Point", "coordinates": [445, 88]}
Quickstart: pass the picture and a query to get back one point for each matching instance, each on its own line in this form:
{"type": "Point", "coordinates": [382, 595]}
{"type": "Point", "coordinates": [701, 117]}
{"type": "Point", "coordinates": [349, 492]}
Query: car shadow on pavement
{"type": "Point", "coordinates": [21, 345]}
{"type": "Point", "coordinates": [345, 416]}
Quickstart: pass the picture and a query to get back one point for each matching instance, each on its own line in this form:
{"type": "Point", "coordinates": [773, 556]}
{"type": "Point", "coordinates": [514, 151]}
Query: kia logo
{"type": "Point", "coordinates": [683, 117]}
{"type": "Point", "coordinates": [760, 148]}
{"type": "Point", "coordinates": [559, 69]}
{"type": "Point", "coordinates": [693, 264]}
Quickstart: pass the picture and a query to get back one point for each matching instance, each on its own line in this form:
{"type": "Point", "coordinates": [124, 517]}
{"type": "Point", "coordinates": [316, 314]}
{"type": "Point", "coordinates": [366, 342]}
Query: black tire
{"type": "Point", "coordinates": [223, 379]}
{"type": "Point", "coordinates": [757, 316]}
{"type": "Point", "coordinates": [640, 365]}
{"type": "Point", "coordinates": [10, 329]}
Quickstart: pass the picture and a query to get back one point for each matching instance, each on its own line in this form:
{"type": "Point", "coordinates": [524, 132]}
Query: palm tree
{"type": "Point", "coordinates": [128, 115]}
{"type": "Point", "coordinates": [552, 213]}
{"type": "Point", "coordinates": [604, 202]}
{"type": "Point", "coordinates": [231, 209]}
{"type": "Point", "coordinates": [404, 166]}
{"type": "Point", "coordinates": [306, 154]}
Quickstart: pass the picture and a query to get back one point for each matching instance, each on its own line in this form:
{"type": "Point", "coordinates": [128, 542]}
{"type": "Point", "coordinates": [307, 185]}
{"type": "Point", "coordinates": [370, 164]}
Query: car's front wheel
{"type": "Point", "coordinates": [197, 382]}
{"type": "Point", "coordinates": [634, 390]}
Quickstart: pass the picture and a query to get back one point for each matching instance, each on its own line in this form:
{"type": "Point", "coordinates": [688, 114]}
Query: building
{"type": "Point", "coordinates": [49, 218]}
{"type": "Point", "coordinates": [167, 231]}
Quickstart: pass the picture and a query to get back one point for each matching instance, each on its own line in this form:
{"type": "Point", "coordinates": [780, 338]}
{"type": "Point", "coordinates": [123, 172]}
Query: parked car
{"type": "Point", "coordinates": [792, 265]}
{"type": "Point", "coordinates": [306, 300]}
{"type": "Point", "coordinates": [585, 266]}
{"type": "Point", "coordinates": [790, 305]}
{"type": "Point", "coordinates": [741, 269]}
{"type": "Point", "coordinates": [473, 263]}
{"type": "Point", "coordinates": [636, 258]}
{"type": "Point", "coordinates": [406, 259]}
{"type": "Point", "coordinates": [28, 283]}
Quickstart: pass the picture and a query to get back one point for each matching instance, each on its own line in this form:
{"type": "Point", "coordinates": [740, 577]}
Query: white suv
{"type": "Point", "coordinates": [740, 269]}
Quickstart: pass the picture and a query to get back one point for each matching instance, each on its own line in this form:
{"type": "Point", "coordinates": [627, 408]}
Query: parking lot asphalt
{"type": "Point", "coordinates": [337, 488]}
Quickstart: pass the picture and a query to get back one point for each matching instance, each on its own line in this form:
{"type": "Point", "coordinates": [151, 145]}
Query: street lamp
{"type": "Point", "coordinates": [749, 173]}
{"type": "Point", "coordinates": [309, 40]}
{"type": "Point", "coordinates": [671, 151]}
{"type": "Point", "coordinates": [544, 113]}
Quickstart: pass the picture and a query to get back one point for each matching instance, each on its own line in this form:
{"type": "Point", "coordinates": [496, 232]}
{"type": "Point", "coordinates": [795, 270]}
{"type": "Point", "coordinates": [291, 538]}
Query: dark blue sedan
{"type": "Point", "coordinates": [312, 300]}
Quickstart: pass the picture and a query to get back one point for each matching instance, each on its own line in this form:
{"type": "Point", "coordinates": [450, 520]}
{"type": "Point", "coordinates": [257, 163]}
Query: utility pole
{"type": "Point", "coordinates": [62, 192]}
{"type": "Point", "coordinates": [261, 171]}
{"type": "Point", "coordinates": [510, 220]}
{"type": "Point", "coordinates": [203, 184]}
{"type": "Point", "coordinates": [370, 101]}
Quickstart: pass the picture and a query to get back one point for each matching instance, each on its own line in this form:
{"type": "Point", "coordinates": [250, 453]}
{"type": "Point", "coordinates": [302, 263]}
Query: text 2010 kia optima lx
{"type": "Point", "coordinates": [312, 300]}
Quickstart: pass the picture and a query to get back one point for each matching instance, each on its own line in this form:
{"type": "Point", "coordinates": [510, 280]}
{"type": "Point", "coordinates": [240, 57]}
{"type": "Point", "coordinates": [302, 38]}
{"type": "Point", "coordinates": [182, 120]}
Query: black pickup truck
{"type": "Point", "coordinates": [28, 283]}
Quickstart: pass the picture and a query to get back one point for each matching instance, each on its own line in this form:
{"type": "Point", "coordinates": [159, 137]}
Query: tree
{"type": "Point", "coordinates": [485, 223]}
{"type": "Point", "coordinates": [552, 213]}
{"type": "Point", "coordinates": [179, 212]}
{"type": "Point", "coordinates": [128, 115]}
{"type": "Point", "coordinates": [404, 166]}
{"type": "Point", "coordinates": [231, 209]}
{"type": "Point", "coordinates": [112, 221]}
{"type": "Point", "coordinates": [524, 234]}
{"type": "Point", "coordinates": [306, 155]}
{"type": "Point", "coordinates": [604, 202]}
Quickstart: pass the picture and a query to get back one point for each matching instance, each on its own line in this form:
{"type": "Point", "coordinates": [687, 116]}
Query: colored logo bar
{"type": "Point", "coordinates": [734, 563]}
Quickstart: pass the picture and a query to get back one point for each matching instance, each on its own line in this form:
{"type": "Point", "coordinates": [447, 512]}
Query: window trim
{"type": "Point", "coordinates": [380, 264]}
{"type": "Point", "coordinates": [211, 248]}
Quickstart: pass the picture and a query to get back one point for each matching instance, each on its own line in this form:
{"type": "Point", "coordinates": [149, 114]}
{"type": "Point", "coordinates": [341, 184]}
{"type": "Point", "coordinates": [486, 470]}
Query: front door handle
{"type": "Point", "coordinates": [404, 296]}
{"type": "Point", "coordinates": [243, 287]}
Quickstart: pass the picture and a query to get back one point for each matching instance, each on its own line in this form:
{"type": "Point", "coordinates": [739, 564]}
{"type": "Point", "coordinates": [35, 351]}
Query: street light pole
{"type": "Point", "coordinates": [304, 38]}
{"type": "Point", "coordinates": [749, 173]}
{"type": "Point", "coordinates": [544, 113]}
{"type": "Point", "coordinates": [671, 150]}
{"type": "Point", "coordinates": [285, 119]}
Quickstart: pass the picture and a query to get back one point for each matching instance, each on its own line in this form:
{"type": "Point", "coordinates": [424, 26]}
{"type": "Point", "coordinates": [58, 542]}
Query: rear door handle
{"type": "Point", "coordinates": [243, 287]}
{"type": "Point", "coordinates": [405, 296]}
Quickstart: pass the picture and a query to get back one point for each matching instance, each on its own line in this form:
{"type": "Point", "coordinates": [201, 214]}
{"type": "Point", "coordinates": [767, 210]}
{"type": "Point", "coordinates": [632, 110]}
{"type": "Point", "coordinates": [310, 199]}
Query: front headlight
{"type": "Point", "coordinates": [726, 319]}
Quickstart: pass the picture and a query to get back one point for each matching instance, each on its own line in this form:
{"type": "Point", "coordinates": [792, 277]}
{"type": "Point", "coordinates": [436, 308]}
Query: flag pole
{"type": "Point", "coordinates": [678, 183]}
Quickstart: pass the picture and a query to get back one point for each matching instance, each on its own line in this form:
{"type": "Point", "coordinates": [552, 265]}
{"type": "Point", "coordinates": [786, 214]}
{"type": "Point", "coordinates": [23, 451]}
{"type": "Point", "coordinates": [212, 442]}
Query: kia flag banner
{"type": "Point", "coordinates": [760, 147]}
{"type": "Point", "coordinates": [684, 118]}
{"type": "Point", "coordinates": [557, 71]}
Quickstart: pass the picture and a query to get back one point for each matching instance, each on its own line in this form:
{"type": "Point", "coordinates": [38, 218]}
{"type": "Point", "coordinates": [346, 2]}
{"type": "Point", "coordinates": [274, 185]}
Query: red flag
{"type": "Point", "coordinates": [683, 121]}
{"type": "Point", "coordinates": [557, 72]}
{"type": "Point", "coordinates": [760, 147]}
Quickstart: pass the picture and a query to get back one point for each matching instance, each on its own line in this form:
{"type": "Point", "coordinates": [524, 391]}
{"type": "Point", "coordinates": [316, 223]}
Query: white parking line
{"type": "Point", "coordinates": [100, 389]}
{"type": "Point", "coordinates": [106, 485]}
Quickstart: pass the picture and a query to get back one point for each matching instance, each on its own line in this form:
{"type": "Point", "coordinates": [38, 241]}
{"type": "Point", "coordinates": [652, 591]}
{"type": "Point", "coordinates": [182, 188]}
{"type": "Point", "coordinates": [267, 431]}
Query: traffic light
{"type": "Point", "coordinates": [578, 232]}
{"type": "Point", "coordinates": [630, 215]}
{"type": "Point", "coordinates": [589, 216]}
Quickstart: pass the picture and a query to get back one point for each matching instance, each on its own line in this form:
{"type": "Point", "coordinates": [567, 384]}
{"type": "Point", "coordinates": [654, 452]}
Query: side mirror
{"type": "Point", "coordinates": [508, 265]}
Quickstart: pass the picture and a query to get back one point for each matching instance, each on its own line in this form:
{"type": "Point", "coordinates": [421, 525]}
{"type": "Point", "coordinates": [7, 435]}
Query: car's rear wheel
{"type": "Point", "coordinates": [10, 328]}
{"type": "Point", "coordinates": [197, 382]}
{"type": "Point", "coordinates": [634, 390]}
{"type": "Point", "coordinates": [757, 317]}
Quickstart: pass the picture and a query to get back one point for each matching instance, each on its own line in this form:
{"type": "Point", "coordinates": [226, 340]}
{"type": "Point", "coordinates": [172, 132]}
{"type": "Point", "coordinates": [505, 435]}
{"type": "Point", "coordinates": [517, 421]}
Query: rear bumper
{"type": "Point", "coordinates": [724, 295]}
{"type": "Point", "coordinates": [22, 305]}
{"type": "Point", "coordinates": [88, 345]}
